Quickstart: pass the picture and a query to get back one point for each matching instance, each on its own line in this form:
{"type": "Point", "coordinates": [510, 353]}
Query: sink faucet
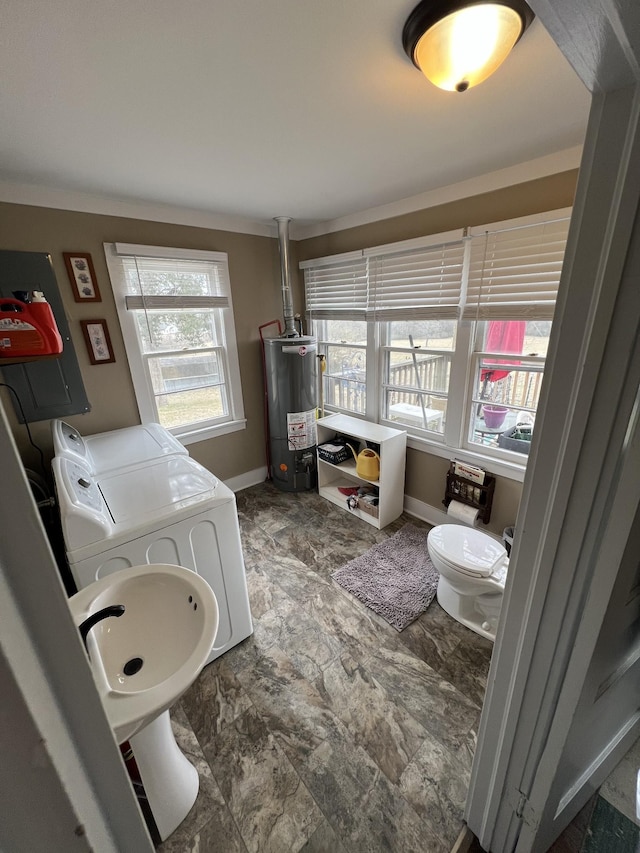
{"type": "Point", "coordinates": [87, 625]}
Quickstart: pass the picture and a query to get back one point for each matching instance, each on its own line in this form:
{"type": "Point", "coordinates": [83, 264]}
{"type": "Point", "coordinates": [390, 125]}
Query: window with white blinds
{"type": "Point", "coordinates": [176, 316]}
{"type": "Point", "coordinates": [500, 271]}
{"type": "Point", "coordinates": [336, 287]}
{"type": "Point", "coordinates": [514, 272]}
{"type": "Point", "coordinates": [428, 334]}
{"type": "Point", "coordinates": [413, 279]}
{"type": "Point", "coordinates": [414, 282]}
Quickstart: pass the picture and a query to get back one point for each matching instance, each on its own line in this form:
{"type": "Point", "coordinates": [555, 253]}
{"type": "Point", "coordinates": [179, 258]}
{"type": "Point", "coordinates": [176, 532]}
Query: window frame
{"type": "Point", "coordinates": [464, 359]}
{"type": "Point", "coordinates": [325, 343]}
{"type": "Point", "coordinates": [227, 351]}
{"type": "Point", "coordinates": [491, 451]}
{"type": "Point", "coordinates": [451, 440]}
{"type": "Point", "coordinates": [387, 386]}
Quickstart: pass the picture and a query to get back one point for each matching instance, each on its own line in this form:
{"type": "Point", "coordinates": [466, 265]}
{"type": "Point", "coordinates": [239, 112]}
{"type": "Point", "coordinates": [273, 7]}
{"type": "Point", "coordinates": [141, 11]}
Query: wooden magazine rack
{"type": "Point", "coordinates": [479, 496]}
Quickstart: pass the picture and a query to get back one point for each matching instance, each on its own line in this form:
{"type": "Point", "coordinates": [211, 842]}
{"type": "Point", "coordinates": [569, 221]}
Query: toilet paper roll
{"type": "Point", "coordinates": [462, 512]}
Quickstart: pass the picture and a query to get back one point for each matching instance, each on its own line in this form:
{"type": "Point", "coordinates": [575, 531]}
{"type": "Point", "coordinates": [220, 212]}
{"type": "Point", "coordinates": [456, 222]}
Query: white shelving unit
{"type": "Point", "coordinates": [393, 453]}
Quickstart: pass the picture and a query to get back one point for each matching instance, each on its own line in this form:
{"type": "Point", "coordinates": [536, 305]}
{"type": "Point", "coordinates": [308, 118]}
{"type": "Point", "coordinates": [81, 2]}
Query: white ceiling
{"type": "Point", "coordinates": [257, 108]}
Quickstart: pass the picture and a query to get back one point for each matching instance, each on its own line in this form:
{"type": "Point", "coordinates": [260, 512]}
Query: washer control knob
{"type": "Point", "coordinates": [84, 482]}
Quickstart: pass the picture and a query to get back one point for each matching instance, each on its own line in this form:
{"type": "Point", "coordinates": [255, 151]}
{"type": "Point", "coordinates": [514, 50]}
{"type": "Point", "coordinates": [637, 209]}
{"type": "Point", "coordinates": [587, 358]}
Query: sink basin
{"type": "Point", "coordinates": [144, 660]}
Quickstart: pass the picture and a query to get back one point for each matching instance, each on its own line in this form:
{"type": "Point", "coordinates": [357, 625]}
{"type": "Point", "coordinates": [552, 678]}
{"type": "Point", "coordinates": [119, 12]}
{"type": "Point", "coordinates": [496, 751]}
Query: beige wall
{"type": "Point", "coordinates": [425, 479]}
{"type": "Point", "coordinates": [255, 281]}
{"type": "Point", "coordinates": [538, 196]}
{"type": "Point", "coordinates": [254, 272]}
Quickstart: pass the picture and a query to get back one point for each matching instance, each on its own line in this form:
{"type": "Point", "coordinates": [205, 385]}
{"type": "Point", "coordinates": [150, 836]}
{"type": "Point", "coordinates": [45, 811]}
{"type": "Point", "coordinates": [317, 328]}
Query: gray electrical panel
{"type": "Point", "coordinates": [51, 388]}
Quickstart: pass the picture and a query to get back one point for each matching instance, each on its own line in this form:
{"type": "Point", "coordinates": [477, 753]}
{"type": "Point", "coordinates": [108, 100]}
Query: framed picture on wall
{"type": "Point", "coordinates": [82, 276]}
{"type": "Point", "coordinates": [98, 341]}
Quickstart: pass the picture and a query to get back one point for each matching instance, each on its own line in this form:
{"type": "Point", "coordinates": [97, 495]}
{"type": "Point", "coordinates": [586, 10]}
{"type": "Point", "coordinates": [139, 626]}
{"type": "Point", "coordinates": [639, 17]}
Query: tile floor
{"type": "Point", "coordinates": [327, 730]}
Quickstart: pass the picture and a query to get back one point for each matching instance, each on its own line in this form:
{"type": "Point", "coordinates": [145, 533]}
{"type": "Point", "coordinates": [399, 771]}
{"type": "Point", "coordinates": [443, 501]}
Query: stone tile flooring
{"type": "Point", "coordinates": [327, 730]}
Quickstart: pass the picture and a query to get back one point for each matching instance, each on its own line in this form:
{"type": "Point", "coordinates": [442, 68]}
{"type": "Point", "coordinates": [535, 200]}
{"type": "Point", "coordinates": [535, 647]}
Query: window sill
{"type": "Point", "coordinates": [510, 470]}
{"type": "Point", "coordinates": [194, 435]}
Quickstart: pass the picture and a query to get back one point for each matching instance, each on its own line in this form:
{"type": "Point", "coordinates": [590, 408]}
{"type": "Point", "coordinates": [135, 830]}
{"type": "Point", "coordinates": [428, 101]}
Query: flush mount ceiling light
{"type": "Point", "coordinates": [458, 44]}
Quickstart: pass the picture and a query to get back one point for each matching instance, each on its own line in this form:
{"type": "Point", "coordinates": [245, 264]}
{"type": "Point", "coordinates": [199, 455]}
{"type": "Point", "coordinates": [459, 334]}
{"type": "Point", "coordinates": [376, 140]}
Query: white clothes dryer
{"type": "Point", "coordinates": [118, 448]}
{"type": "Point", "coordinates": [171, 510]}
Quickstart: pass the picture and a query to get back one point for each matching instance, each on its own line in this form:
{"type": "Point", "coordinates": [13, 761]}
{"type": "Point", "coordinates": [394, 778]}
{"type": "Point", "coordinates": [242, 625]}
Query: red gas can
{"type": "Point", "coordinates": [28, 329]}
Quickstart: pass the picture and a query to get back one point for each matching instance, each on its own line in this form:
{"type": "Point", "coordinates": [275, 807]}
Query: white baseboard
{"type": "Point", "coordinates": [413, 506]}
{"type": "Point", "coordinates": [425, 512]}
{"type": "Point", "coordinates": [433, 515]}
{"type": "Point", "coordinates": [249, 478]}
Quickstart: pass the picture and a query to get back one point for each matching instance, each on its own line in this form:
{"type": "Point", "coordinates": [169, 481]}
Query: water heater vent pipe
{"type": "Point", "coordinates": [290, 330]}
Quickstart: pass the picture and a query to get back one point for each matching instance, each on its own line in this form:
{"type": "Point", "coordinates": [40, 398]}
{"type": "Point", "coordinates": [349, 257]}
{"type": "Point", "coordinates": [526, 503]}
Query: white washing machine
{"type": "Point", "coordinates": [118, 448]}
{"type": "Point", "coordinates": [168, 510]}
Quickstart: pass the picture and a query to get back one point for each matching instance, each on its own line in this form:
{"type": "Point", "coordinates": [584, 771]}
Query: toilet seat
{"type": "Point", "coordinates": [478, 575]}
{"type": "Point", "coordinates": [466, 550]}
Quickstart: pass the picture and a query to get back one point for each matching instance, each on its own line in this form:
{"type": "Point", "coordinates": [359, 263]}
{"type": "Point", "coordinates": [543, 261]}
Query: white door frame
{"type": "Point", "coordinates": [578, 495]}
{"type": "Point", "coordinates": [63, 783]}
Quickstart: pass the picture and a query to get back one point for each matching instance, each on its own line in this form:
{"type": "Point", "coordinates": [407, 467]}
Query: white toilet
{"type": "Point", "coordinates": [473, 570]}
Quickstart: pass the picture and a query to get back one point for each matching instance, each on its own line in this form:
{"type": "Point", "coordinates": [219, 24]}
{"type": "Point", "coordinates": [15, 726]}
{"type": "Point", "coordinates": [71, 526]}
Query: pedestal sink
{"type": "Point", "coordinates": [142, 663]}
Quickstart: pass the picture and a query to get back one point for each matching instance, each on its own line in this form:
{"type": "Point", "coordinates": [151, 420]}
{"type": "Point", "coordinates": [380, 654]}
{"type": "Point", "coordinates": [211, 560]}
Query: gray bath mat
{"type": "Point", "coordinates": [396, 579]}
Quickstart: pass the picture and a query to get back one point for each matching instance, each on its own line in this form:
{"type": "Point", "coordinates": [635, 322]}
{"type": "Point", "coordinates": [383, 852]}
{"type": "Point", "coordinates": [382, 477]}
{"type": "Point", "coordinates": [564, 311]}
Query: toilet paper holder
{"type": "Point", "coordinates": [477, 495]}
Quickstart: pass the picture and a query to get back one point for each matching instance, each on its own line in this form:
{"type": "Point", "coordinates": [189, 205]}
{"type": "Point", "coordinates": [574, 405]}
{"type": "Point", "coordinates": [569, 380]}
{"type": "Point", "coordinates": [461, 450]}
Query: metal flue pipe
{"type": "Point", "coordinates": [290, 330]}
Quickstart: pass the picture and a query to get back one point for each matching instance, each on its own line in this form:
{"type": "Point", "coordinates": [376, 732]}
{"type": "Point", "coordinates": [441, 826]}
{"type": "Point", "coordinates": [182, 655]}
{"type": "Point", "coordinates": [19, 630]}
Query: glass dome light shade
{"type": "Point", "coordinates": [464, 48]}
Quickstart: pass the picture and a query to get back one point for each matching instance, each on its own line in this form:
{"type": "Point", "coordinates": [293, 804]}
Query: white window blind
{"type": "Point", "coordinates": [336, 287]}
{"type": "Point", "coordinates": [176, 314]}
{"type": "Point", "coordinates": [165, 283]}
{"type": "Point", "coordinates": [409, 280]}
{"type": "Point", "coordinates": [135, 303]}
{"type": "Point", "coordinates": [417, 283]}
{"type": "Point", "coordinates": [514, 272]}
{"type": "Point", "coordinates": [505, 271]}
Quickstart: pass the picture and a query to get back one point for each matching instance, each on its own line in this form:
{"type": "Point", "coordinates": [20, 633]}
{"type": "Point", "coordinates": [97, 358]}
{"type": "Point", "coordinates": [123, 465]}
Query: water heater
{"type": "Point", "coordinates": [291, 376]}
{"type": "Point", "coordinates": [292, 380]}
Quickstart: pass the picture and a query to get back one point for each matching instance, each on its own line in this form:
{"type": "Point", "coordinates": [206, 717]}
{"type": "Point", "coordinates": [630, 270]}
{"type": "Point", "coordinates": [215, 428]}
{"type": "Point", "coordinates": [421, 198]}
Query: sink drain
{"type": "Point", "coordinates": [132, 666]}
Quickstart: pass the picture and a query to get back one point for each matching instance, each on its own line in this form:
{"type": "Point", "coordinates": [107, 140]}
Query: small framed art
{"type": "Point", "coordinates": [82, 277]}
{"type": "Point", "coordinates": [98, 341]}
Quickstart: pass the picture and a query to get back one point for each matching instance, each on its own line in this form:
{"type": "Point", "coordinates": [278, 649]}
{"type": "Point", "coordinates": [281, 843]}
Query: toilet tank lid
{"type": "Point", "coordinates": [474, 551]}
